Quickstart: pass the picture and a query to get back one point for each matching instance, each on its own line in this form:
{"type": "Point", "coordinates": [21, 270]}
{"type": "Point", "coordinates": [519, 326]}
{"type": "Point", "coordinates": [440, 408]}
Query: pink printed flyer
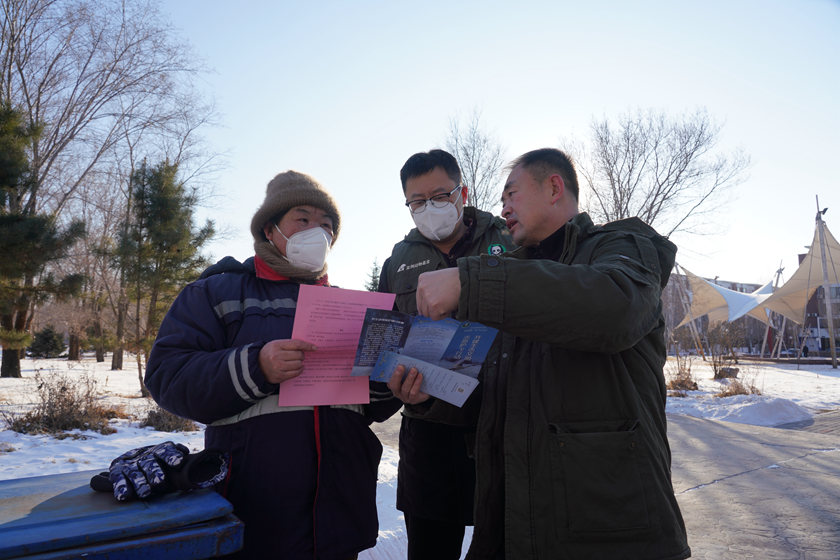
{"type": "Point", "coordinates": [331, 319]}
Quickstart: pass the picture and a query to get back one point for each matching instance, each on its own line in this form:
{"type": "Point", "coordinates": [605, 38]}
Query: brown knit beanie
{"type": "Point", "coordinates": [290, 189]}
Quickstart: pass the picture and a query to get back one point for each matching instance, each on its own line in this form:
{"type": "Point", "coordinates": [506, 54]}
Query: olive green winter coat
{"type": "Point", "coordinates": [572, 454]}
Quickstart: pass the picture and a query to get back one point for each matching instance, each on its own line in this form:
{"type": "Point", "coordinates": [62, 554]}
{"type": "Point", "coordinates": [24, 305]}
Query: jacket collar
{"type": "Point", "coordinates": [562, 244]}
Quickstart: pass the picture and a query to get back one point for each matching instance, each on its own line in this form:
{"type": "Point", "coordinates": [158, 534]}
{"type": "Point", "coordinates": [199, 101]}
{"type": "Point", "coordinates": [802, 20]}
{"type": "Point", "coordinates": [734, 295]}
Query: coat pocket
{"type": "Point", "coordinates": [596, 478]}
{"type": "Point", "coordinates": [406, 295]}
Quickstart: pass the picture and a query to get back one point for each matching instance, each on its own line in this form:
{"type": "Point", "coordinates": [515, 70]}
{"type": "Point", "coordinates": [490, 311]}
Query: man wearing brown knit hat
{"type": "Point", "coordinates": [303, 479]}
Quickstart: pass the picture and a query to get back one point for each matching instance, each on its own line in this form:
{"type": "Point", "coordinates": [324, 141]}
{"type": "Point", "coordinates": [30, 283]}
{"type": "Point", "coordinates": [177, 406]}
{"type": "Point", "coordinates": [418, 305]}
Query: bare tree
{"type": "Point", "coordinates": [723, 338]}
{"type": "Point", "coordinates": [101, 206]}
{"type": "Point", "coordinates": [481, 158]}
{"type": "Point", "coordinates": [91, 74]}
{"type": "Point", "coordinates": [666, 170]}
{"type": "Point", "coordinates": [82, 70]}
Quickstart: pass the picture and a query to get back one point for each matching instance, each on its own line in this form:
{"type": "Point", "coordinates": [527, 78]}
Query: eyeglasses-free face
{"type": "Point", "coordinates": [418, 205]}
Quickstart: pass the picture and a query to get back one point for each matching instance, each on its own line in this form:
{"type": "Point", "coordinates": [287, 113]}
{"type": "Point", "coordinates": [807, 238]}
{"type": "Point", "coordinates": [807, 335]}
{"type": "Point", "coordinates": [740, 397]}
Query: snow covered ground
{"type": "Point", "coordinates": [788, 394]}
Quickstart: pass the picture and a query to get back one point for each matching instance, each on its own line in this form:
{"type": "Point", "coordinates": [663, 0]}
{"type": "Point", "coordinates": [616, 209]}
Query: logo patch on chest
{"type": "Point", "coordinates": [403, 267]}
{"type": "Point", "coordinates": [496, 249]}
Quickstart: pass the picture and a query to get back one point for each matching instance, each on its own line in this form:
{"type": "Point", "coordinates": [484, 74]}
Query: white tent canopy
{"type": "Point", "coordinates": [791, 299]}
{"type": "Point", "coordinates": [722, 304]}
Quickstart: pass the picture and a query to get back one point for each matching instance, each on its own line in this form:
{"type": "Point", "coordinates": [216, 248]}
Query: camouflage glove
{"type": "Point", "coordinates": [158, 469]}
{"type": "Point", "coordinates": [140, 472]}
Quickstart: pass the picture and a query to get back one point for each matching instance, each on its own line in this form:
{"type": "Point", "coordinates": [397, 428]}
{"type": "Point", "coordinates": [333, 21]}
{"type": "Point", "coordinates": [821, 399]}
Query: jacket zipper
{"type": "Point", "coordinates": [316, 418]}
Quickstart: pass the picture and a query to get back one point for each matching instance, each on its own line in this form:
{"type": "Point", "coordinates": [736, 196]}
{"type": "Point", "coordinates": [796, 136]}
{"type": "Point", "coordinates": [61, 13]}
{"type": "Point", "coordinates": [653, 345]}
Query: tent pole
{"type": "Point", "coordinates": [764, 340]}
{"type": "Point", "coordinates": [770, 318]}
{"type": "Point", "coordinates": [826, 288]}
{"type": "Point", "coordinates": [801, 343]}
{"type": "Point", "coordinates": [692, 328]}
{"type": "Point", "coordinates": [777, 347]}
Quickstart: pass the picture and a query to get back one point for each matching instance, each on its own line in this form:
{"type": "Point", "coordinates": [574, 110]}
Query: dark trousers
{"type": "Point", "coordinates": [429, 539]}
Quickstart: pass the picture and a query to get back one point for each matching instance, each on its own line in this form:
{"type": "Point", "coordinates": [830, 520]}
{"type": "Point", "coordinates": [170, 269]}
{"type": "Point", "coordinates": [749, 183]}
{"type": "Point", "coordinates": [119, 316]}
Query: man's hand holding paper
{"type": "Point", "coordinates": [406, 387]}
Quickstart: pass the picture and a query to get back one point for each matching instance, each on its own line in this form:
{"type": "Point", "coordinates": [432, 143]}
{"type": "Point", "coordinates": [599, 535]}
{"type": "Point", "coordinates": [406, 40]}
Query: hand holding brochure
{"type": "Point", "coordinates": [448, 353]}
{"type": "Point", "coordinates": [439, 382]}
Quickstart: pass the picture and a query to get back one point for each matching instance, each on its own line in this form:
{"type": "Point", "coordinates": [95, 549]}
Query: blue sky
{"type": "Point", "coordinates": [347, 91]}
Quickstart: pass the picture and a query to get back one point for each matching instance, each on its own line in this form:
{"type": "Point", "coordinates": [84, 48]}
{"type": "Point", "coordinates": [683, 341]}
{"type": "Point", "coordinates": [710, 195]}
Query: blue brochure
{"type": "Point", "coordinates": [448, 353]}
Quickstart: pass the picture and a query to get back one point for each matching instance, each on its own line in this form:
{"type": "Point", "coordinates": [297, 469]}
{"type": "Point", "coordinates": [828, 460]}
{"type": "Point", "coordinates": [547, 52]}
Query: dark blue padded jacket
{"type": "Point", "coordinates": [303, 479]}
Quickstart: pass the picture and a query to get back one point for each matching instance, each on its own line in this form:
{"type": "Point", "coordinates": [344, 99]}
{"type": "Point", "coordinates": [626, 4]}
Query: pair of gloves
{"type": "Point", "coordinates": [159, 469]}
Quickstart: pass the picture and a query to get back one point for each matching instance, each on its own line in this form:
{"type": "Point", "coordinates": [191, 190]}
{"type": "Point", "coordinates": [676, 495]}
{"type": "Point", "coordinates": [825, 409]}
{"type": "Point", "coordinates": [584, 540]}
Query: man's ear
{"type": "Point", "coordinates": [464, 192]}
{"type": "Point", "coordinates": [558, 187]}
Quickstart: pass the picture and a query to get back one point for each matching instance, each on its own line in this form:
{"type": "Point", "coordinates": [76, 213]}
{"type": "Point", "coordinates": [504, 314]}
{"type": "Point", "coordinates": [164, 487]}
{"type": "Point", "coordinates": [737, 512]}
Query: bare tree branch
{"type": "Point", "coordinates": [82, 69]}
{"type": "Point", "coordinates": [481, 159]}
{"type": "Point", "coordinates": [665, 170]}
{"type": "Point", "coordinates": [108, 83]}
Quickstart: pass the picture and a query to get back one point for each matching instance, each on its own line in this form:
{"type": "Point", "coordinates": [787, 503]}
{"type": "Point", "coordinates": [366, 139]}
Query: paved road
{"type": "Point", "coordinates": [754, 492]}
{"type": "Point", "coordinates": [750, 491]}
{"type": "Point", "coordinates": [827, 422]}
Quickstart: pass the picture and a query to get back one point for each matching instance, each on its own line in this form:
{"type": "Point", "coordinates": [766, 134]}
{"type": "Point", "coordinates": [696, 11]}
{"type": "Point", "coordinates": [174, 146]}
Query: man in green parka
{"type": "Point", "coordinates": [572, 456]}
{"type": "Point", "coordinates": [436, 475]}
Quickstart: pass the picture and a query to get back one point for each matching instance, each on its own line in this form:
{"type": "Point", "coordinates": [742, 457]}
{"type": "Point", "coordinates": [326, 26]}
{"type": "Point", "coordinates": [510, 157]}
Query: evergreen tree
{"type": "Point", "coordinates": [47, 343]}
{"type": "Point", "coordinates": [29, 243]}
{"type": "Point", "coordinates": [159, 249]}
{"type": "Point", "coordinates": [372, 283]}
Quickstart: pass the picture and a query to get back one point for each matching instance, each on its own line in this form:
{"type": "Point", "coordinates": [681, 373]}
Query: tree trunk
{"type": "Point", "coordinates": [122, 309]}
{"type": "Point", "coordinates": [117, 357]}
{"type": "Point", "coordinates": [143, 391]}
{"type": "Point", "coordinates": [11, 363]}
{"type": "Point", "coordinates": [138, 345]}
{"type": "Point", "coordinates": [74, 347]}
{"type": "Point", "coordinates": [16, 321]}
{"type": "Point", "coordinates": [99, 346]}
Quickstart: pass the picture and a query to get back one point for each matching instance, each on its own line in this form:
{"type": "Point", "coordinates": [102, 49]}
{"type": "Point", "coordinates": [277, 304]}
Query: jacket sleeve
{"type": "Point", "coordinates": [441, 412]}
{"type": "Point", "coordinates": [193, 372]}
{"type": "Point", "coordinates": [605, 305]}
{"type": "Point", "coordinates": [383, 277]}
{"type": "Point", "coordinates": [383, 404]}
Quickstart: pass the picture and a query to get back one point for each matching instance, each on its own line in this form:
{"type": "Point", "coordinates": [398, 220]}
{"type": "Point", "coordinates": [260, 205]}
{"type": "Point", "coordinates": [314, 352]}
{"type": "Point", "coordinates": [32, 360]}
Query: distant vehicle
{"type": "Point", "coordinates": [788, 353]}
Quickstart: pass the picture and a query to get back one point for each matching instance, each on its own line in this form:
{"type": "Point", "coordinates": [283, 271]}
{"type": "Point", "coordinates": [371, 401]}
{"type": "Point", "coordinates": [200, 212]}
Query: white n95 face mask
{"type": "Point", "coordinates": [307, 249]}
{"type": "Point", "coordinates": [437, 223]}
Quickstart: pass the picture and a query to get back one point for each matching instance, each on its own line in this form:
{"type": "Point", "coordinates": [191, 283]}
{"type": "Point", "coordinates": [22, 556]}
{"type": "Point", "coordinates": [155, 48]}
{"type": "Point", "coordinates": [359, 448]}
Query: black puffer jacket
{"type": "Point", "coordinates": [436, 471]}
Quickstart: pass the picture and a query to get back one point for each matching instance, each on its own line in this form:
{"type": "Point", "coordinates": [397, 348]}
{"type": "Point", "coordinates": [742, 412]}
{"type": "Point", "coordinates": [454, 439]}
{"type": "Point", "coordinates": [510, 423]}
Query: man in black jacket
{"type": "Point", "coordinates": [436, 471]}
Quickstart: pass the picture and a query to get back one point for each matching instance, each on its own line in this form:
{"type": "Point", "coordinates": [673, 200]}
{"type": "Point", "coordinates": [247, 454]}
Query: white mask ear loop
{"type": "Point", "coordinates": [270, 242]}
{"type": "Point", "coordinates": [280, 232]}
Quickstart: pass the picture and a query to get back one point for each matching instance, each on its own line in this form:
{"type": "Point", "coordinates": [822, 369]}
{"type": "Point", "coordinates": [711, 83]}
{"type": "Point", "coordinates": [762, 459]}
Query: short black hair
{"type": "Point", "coordinates": [424, 162]}
{"type": "Point", "coordinates": [546, 161]}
